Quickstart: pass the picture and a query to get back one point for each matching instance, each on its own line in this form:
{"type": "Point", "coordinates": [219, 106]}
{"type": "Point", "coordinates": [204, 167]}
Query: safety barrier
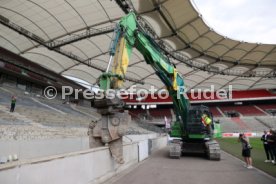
{"type": "Point", "coordinates": [89, 166]}
{"type": "Point", "coordinates": [28, 149]}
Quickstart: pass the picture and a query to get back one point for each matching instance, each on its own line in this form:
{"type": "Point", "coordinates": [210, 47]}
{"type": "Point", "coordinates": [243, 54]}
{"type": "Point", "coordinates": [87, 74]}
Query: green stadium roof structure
{"type": "Point", "coordinates": [72, 38]}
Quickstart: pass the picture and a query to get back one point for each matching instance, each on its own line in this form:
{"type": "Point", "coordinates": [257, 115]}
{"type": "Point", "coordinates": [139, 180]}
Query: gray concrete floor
{"type": "Point", "coordinates": [159, 169]}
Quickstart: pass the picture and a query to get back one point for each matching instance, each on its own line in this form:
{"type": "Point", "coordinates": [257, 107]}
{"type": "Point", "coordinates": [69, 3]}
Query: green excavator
{"type": "Point", "coordinates": [189, 134]}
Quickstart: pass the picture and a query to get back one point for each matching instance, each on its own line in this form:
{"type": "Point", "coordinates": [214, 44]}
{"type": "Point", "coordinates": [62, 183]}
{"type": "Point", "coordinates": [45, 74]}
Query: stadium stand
{"type": "Point", "coordinates": [215, 112]}
{"type": "Point", "coordinates": [91, 112]}
{"type": "Point", "coordinates": [33, 119]}
{"type": "Point", "coordinates": [244, 124]}
{"type": "Point", "coordinates": [135, 113]}
{"type": "Point", "coordinates": [267, 106]}
{"type": "Point", "coordinates": [268, 121]}
{"type": "Point", "coordinates": [254, 124]}
{"type": "Point", "coordinates": [257, 93]}
{"type": "Point", "coordinates": [160, 113]}
{"type": "Point", "coordinates": [244, 110]}
{"type": "Point", "coordinates": [250, 120]}
{"type": "Point", "coordinates": [36, 117]}
{"type": "Point", "coordinates": [227, 125]}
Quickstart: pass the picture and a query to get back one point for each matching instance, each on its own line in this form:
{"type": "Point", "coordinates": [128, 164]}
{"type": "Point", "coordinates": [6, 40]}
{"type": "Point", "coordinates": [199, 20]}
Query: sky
{"type": "Point", "coordinates": [244, 20]}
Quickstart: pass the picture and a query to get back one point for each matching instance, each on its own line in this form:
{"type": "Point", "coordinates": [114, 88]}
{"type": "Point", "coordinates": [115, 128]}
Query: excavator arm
{"type": "Point", "coordinates": [187, 129]}
{"type": "Point", "coordinates": [166, 71]}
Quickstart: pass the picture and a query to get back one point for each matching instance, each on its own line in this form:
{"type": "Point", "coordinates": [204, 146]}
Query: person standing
{"type": "Point", "coordinates": [246, 150]}
{"type": "Point", "coordinates": [13, 102]}
{"type": "Point", "coordinates": [272, 144]}
{"type": "Point", "coordinates": [268, 151]}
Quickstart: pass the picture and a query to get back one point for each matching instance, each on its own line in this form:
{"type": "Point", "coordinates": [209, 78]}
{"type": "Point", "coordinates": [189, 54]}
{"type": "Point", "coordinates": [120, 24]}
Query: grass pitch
{"type": "Point", "coordinates": [232, 146]}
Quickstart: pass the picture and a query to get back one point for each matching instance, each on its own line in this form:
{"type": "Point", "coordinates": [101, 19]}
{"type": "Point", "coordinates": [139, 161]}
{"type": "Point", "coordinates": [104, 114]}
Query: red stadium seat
{"type": "Point", "coordinates": [160, 113]}
{"type": "Point", "coordinates": [215, 112]}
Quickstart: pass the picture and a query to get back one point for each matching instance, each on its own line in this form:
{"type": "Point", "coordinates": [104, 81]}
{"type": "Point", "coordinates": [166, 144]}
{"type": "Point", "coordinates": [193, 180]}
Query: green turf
{"type": "Point", "coordinates": [232, 146]}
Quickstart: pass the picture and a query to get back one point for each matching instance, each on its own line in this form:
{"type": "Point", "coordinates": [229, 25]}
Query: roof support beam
{"type": "Point", "coordinates": [188, 23]}
{"type": "Point", "coordinates": [267, 75]}
{"type": "Point", "coordinates": [200, 36]}
{"type": "Point", "coordinates": [233, 48]}
{"type": "Point", "coordinates": [213, 44]}
{"type": "Point", "coordinates": [230, 68]}
{"type": "Point", "coordinates": [223, 69]}
{"type": "Point", "coordinates": [247, 53]}
{"type": "Point", "coordinates": [229, 82]}
{"type": "Point", "coordinates": [158, 7]}
{"type": "Point", "coordinates": [70, 55]}
{"type": "Point", "coordinates": [174, 33]}
{"type": "Point", "coordinates": [88, 60]}
{"type": "Point", "coordinates": [215, 58]}
{"type": "Point", "coordinates": [124, 5]}
{"type": "Point", "coordinates": [267, 54]}
{"type": "Point", "coordinates": [213, 75]}
{"type": "Point", "coordinates": [248, 73]}
{"type": "Point", "coordinates": [141, 80]}
{"type": "Point", "coordinates": [180, 57]}
{"type": "Point", "coordinates": [91, 32]}
{"type": "Point", "coordinates": [181, 27]}
{"type": "Point", "coordinates": [73, 32]}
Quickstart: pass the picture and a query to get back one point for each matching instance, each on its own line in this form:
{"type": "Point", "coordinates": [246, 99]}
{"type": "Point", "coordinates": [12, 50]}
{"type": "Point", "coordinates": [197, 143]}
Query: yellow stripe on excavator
{"type": "Point", "coordinates": [121, 61]}
{"type": "Point", "coordinates": [174, 79]}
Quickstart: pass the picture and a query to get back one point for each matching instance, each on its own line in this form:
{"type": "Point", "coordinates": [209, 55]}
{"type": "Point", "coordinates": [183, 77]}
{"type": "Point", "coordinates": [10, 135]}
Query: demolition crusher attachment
{"type": "Point", "coordinates": [109, 129]}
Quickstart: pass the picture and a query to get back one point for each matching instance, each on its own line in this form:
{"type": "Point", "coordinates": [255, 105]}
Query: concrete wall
{"type": "Point", "coordinates": [157, 143]}
{"type": "Point", "coordinates": [143, 150]}
{"type": "Point", "coordinates": [148, 143]}
{"type": "Point", "coordinates": [82, 167]}
{"type": "Point", "coordinates": [92, 166]}
{"type": "Point", "coordinates": [135, 138]}
{"type": "Point", "coordinates": [26, 149]}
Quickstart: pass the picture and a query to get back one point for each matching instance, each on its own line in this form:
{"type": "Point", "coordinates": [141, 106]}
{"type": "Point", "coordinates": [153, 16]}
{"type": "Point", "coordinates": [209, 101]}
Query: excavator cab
{"type": "Point", "coordinates": [198, 138]}
{"type": "Point", "coordinates": [196, 126]}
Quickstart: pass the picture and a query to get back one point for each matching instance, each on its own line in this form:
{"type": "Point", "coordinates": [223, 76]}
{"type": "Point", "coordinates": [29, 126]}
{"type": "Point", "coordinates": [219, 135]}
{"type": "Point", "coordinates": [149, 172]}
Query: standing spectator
{"type": "Point", "coordinates": [272, 144]}
{"type": "Point", "coordinates": [267, 148]}
{"type": "Point", "coordinates": [246, 150]}
{"type": "Point", "coordinates": [13, 102]}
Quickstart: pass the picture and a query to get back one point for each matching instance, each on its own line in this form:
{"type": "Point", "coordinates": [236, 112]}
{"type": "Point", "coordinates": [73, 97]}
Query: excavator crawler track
{"type": "Point", "coordinates": [213, 150]}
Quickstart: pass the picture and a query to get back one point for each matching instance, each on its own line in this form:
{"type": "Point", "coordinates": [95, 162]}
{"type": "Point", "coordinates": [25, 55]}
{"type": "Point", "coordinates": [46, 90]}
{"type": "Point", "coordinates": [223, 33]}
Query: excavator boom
{"type": "Point", "coordinates": [188, 125]}
{"type": "Point", "coordinates": [165, 70]}
{"type": "Point", "coordinates": [188, 129]}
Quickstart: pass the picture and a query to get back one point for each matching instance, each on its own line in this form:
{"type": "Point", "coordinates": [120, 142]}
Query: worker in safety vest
{"type": "Point", "coordinates": [206, 122]}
